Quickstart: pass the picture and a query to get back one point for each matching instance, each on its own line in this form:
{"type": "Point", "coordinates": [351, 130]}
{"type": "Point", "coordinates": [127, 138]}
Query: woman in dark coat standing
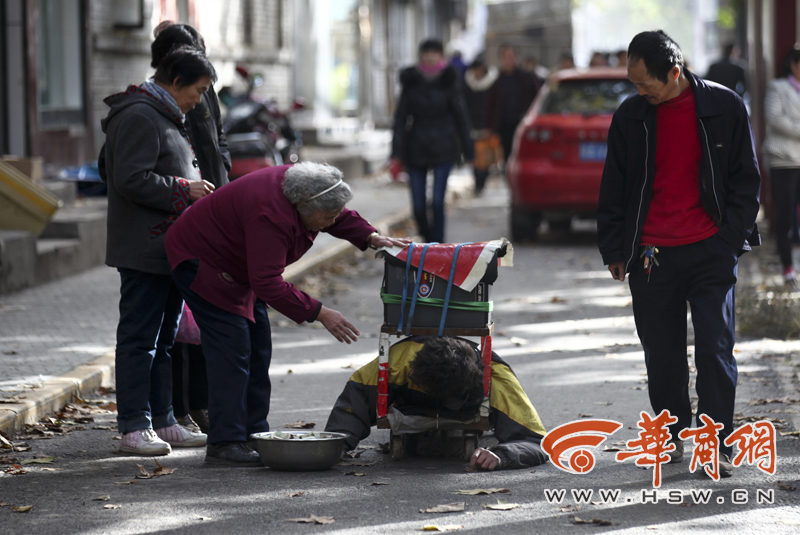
{"type": "Point", "coordinates": [204, 127]}
{"type": "Point", "coordinates": [431, 128]}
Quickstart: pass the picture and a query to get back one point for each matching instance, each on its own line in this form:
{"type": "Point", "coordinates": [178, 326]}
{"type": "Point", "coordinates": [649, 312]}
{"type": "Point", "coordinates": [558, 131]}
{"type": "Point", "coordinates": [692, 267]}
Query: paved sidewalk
{"type": "Point", "coordinates": [57, 340]}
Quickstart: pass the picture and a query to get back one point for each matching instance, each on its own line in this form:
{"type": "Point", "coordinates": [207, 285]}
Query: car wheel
{"type": "Point", "coordinates": [524, 224]}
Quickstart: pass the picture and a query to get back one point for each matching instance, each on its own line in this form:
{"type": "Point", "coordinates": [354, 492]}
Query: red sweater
{"type": "Point", "coordinates": [676, 215]}
{"type": "Point", "coordinates": [245, 234]}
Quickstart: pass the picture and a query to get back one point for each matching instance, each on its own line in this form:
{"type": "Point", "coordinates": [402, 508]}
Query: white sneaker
{"type": "Point", "coordinates": [179, 437]}
{"type": "Point", "coordinates": [144, 442]}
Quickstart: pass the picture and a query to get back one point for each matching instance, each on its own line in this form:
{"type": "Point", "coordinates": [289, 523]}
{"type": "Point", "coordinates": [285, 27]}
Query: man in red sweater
{"type": "Point", "coordinates": [678, 203]}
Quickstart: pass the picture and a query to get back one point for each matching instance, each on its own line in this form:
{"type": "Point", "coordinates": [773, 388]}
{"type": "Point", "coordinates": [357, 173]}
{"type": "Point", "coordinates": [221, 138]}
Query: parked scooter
{"type": "Point", "coordinates": [259, 134]}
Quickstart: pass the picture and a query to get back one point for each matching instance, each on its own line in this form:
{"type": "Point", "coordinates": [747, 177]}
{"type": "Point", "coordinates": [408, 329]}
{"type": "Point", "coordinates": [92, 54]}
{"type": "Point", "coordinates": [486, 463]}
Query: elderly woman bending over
{"type": "Point", "coordinates": [228, 253]}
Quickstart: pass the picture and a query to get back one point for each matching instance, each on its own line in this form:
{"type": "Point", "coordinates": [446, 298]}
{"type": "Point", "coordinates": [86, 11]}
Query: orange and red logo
{"type": "Point", "coordinates": [574, 438]}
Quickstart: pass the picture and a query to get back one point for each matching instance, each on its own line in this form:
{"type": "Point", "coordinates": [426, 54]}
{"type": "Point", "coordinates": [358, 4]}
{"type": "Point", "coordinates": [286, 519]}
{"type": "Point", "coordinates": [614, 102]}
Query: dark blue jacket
{"type": "Point", "coordinates": [729, 176]}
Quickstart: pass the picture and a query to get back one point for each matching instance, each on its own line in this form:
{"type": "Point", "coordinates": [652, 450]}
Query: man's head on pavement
{"type": "Point", "coordinates": [655, 66]}
{"type": "Point", "coordinates": [449, 369]}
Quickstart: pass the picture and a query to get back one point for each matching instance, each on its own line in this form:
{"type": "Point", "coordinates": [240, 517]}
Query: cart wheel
{"type": "Point", "coordinates": [470, 445]}
{"type": "Point", "coordinates": [397, 447]}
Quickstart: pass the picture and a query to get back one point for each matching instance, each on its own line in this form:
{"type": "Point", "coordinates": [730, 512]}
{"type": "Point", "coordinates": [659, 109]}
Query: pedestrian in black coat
{"type": "Point", "coordinates": [431, 130]}
{"type": "Point", "coordinates": [509, 98]}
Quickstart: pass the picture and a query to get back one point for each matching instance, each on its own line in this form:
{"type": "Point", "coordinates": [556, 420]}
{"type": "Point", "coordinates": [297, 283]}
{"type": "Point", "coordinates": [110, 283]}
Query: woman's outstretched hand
{"type": "Point", "coordinates": [337, 325]}
{"type": "Point", "coordinates": [377, 241]}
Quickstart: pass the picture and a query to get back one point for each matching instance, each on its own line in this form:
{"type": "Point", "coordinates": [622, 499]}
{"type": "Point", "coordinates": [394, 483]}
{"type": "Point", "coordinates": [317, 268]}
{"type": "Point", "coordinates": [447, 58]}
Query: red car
{"type": "Point", "coordinates": [560, 147]}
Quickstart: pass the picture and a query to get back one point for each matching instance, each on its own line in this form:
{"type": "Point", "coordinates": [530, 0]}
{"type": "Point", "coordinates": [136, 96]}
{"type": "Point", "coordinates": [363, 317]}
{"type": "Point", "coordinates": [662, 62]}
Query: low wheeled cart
{"type": "Point", "coordinates": [439, 290]}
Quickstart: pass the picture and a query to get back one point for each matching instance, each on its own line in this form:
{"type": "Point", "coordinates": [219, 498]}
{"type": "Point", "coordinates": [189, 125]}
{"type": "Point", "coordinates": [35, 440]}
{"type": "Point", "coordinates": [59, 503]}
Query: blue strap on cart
{"type": "Point", "coordinates": [416, 286]}
{"type": "Point", "coordinates": [449, 287]}
{"type": "Point", "coordinates": [405, 287]}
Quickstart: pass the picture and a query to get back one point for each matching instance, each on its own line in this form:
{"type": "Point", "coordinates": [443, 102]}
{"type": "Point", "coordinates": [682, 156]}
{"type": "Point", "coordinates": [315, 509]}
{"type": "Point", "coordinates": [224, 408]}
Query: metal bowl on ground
{"type": "Point", "coordinates": [319, 452]}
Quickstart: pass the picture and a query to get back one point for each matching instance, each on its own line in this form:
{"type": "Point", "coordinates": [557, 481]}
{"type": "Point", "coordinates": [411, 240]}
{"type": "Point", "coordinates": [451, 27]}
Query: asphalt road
{"type": "Point", "coordinates": [566, 329]}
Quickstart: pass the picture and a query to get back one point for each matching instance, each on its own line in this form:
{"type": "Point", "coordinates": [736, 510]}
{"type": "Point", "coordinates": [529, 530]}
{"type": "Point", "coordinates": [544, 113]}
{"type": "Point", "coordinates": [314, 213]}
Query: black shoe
{"type": "Point", "coordinates": [231, 454]}
{"type": "Point", "coordinates": [725, 466]}
{"type": "Point", "coordinates": [676, 455]}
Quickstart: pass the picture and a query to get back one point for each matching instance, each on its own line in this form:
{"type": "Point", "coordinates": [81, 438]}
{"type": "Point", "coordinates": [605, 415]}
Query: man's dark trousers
{"type": "Point", "coordinates": [238, 354]}
{"type": "Point", "coordinates": [704, 274]}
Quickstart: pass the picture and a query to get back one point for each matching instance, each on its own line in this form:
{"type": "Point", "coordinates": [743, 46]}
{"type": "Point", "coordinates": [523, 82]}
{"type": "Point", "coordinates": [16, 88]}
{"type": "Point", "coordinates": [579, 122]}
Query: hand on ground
{"type": "Point", "coordinates": [484, 459]}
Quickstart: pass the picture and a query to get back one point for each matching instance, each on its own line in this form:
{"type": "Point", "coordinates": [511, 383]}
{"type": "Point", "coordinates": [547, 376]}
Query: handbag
{"type": "Point", "coordinates": [488, 152]}
{"type": "Point", "coordinates": [188, 331]}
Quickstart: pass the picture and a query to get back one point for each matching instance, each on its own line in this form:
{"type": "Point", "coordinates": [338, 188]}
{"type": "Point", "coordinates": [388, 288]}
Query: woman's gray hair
{"type": "Point", "coordinates": [305, 180]}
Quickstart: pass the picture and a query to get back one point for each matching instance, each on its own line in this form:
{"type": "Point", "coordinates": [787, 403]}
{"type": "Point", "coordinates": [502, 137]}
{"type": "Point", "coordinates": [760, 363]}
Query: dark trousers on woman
{"type": "Point", "coordinates": [238, 354]}
{"type": "Point", "coordinates": [704, 274]}
{"type": "Point", "coordinates": [785, 185]}
{"type": "Point", "coordinates": [418, 179]}
{"type": "Point", "coordinates": [149, 309]}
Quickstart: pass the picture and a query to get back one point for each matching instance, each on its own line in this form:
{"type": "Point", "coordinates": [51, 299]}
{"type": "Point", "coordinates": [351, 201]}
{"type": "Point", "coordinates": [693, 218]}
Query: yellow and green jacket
{"type": "Point", "coordinates": [516, 424]}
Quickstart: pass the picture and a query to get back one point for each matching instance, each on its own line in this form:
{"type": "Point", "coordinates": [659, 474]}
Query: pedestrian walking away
{"type": "Point", "coordinates": [477, 81]}
{"type": "Point", "coordinates": [152, 177]}
{"type": "Point", "coordinates": [509, 98]}
{"type": "Point", "coordinates": [439, 131]}
{"type": "Point", "coordinates": [228, 254]}
{"type": "Point", "coordinates": [782, 152]}
{"type": "Point", "coordinates": [678, 203]}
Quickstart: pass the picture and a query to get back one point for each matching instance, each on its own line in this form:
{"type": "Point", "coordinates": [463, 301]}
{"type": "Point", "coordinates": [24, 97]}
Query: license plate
{"type": "Point", "coordinates": [592, 151]}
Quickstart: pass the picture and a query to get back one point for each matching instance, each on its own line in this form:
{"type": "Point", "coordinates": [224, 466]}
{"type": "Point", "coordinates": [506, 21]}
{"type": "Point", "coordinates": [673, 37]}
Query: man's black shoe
{"type": "Point", "coordinates": [676, 455]}
{"type": "Point", "coordinates": [231, 454]}
{"type": "Point", "coordinates": [725, 465]}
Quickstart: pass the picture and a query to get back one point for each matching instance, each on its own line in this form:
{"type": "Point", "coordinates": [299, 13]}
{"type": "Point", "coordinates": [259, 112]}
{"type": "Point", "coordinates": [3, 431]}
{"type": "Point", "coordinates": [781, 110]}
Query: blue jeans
{"type": "Point", "coordinates": [418, 178]}
{"type": "Point", "coordinates": [238, 354]}
{"type": "Point", "coordinates": [149, 309]}
{"type": "Point", "coordinates": [704, 274]}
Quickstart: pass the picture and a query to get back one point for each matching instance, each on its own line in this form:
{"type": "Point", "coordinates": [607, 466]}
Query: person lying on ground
{"type": "Point", "coordinates": [445, 374]}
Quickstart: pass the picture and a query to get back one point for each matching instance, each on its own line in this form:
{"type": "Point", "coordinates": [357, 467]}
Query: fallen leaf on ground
{"type": "Point", "coordinates": [475, 492]}
{"type": "Point", "coordinates": [162, 470]}
{"type": "Point", "coordinates": [790, 433]}
{"type": "Point", "coordinates": [501, 505]}
{"type": "Point", "coordinates": [111, 506]}
{"type": "Point", "coordinates": [436, 527]}
{"type": "Point", "coordinates": [45, 460]}
{"type": "Point", "coordinates": [7, 459]}
{"type": "Point", "coordinates": [582, 415]}
{"type": "Point", "coordinates": [786, 486]}
{"type": "Point", "coordinates": [569, 508]}
{"type": "Point", "coordinates": [102, 427]}
{"type": "Point", "coordinates": [313, 519]}
{"type": "Point", "coordinates": [4, 504]}
{"type": "Point", "coordinates": [594, 521]}
{"type": "Point", "coordinates": [5, 442]}
{"type": "Point", "coordinates": [300, 424]}
{"type": "Point", "coordinates": [517, 341]}
{"type": "Point", "coordinates": [377, 483]}
{"type": "Point", "coordinates": [471, 469]}
{"type": "Point", "coordinates": [103, 498]}
{"type": "Point", "coordinates": [603, 402]}
{"type": "Point", "coordinates": [22, 508]}
{"type": "Point", "coordinates": [455, 507]}
{"type": "Point", "coordinates": [144, 473]}
{"type": "Point", "coordinates": [557, 299]}
{"type": "Point", "coordinates": [51, 469]}
{"type": "Point", "coordinates": [357, 463]}
{"type": "Point", "coordinates": [110, 407]}
{"type": "Point", "coordinates": [354, 473]}
{"type": "Point", "coordinates": [124, 482]}
{"type": "Point", "coordinates": [295, 494]}
{"type": "Point", "coordinates": [15, 470]}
